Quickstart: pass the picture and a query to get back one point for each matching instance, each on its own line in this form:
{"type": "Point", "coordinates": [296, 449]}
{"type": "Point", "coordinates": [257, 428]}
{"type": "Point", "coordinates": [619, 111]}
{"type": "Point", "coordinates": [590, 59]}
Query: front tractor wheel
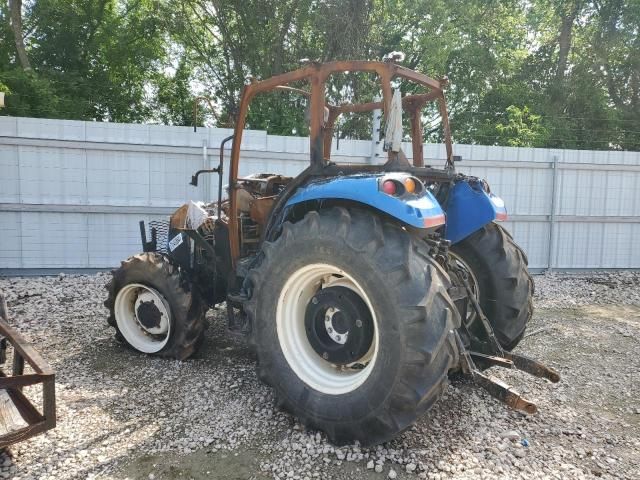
{"type": "Point", "coordinates": [153, 308]}
{"type": "Point", "coordinates": [343, 328]}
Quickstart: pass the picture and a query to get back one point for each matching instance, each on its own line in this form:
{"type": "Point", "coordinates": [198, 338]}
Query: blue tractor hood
{"type": "Point", "coordinates": [469, 208]}
{"type": "Point", "coordinates": [421, 210]}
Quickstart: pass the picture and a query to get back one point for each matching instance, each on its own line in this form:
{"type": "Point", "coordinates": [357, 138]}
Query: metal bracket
{"type": "Point", "coordinates": [533, 367]}
{"type": "Point", "coordinates": [500, 358]}
{"type": "Point", "coordinates": [503, 392]}
{"type": "Point", "coordinates": [199, 239]}
{"type": "Point", "coordinates": [194, 177]}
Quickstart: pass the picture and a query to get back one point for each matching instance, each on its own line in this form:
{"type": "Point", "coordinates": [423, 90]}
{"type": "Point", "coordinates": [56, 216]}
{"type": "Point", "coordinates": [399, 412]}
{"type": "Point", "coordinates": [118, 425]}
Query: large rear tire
{"type": "Point", "coordinates": [352, 324]}
{"type": "Point", "coordinates": [154, 308]}
{"type": "Point", "coordinates": [499, 274]}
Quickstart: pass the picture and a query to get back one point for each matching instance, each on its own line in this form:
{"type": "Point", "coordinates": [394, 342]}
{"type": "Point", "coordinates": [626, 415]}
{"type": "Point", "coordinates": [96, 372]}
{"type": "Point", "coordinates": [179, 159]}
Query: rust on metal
{"type": "Point", "coordinates": [492, 360]}
{"type": "Point", "coordinates": [320, 132]}
{"type": "Point", "coordinates": [19, 418]}
{"type": "Point", "coordinates": [503, 392]}
{"type": "Point", "coordinates": [255, 206]}
{"type": "Point", "coordinates": [533, 367]}
{"type": "Point", "coordinates": [260, 208]}
{"type": "Point", "coordinates": [179, 217]}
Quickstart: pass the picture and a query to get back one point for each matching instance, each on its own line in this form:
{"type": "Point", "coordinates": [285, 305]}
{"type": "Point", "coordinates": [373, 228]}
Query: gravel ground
{"type": "Point", "coordinates": [125, 415]}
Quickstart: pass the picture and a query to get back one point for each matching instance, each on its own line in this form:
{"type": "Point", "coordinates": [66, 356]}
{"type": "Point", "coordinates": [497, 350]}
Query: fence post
{"type": "Point", "coordinates": [376, 144]}
{"type": "Point", "coordinates": [205, 166]}
{"type": "Point", "coordinates": [552, 215]}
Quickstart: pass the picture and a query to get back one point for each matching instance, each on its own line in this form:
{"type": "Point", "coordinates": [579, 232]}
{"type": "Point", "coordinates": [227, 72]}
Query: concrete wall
{"type": "Point", "coordinates": [72, 193]}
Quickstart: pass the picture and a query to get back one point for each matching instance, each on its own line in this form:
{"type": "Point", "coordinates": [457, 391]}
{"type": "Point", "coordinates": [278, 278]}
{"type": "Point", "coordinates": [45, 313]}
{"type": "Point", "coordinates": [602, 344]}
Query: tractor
{"type": "Point", "coordinates": [361, 287]}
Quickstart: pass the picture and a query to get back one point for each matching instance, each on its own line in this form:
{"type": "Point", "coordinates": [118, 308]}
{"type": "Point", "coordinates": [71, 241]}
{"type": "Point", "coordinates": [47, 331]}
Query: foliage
{"type": "Point", "coordinates": [521, 129]}
{"type": "Point", "coordinates": [548, 73]}
{"type": "Point", "coordinates": [93, 59]}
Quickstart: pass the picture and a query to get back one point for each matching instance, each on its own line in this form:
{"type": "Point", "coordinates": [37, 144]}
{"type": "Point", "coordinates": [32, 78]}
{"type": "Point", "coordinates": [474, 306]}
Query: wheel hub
{"type": "Point", "coordinates": [151, 313]}
{"type": "Point", "coordinates": [148, 314]}
{"type": "Point", "coordinates": [339, 325]}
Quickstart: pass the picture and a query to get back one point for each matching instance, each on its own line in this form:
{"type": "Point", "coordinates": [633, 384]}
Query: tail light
{"type": "Point", "coordinates": [389, 187]}
{"type": "Point", "coordinates": [398, 187]}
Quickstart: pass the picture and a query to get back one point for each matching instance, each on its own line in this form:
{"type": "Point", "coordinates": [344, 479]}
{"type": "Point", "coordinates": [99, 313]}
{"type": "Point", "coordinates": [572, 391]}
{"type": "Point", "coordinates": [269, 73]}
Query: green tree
{"type": "Point", "coordinates": [89, 59]}
{"type": "Point", "coordinates": [573, 65]}
{"type": "Point", "coordinates": [521, 128]}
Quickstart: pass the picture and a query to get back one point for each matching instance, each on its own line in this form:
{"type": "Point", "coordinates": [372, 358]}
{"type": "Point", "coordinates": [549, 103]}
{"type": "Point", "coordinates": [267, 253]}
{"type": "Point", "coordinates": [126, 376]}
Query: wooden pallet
{"type": "Point", "coordinates": [10, 418]}
{"type": "Point", "coordinates": [19, 418]}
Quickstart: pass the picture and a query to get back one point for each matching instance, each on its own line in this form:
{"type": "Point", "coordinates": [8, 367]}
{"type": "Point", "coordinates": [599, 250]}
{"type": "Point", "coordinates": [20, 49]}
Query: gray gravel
{"type": "Point", "coordinates": [125, 415]}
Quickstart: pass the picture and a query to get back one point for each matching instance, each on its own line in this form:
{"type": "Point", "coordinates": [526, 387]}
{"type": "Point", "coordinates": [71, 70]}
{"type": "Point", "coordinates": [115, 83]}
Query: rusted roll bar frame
{"type": "Point", "coordinates": [320, 133]}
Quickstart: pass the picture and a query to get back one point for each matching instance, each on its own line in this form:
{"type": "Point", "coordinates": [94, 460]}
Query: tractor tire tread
{"type": "Point", "coordinates": [394, 252]}
{"type": "Point", "coordinates": [187, 307]}
{"type": "Point", "coordinates": [502, 264]}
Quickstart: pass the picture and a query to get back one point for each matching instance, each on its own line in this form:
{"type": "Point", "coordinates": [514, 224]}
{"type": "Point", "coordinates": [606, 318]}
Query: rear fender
{"type": "Point", "coordinates": [420, 211]}
{"type": "Point", "coordinates": [469, 208]}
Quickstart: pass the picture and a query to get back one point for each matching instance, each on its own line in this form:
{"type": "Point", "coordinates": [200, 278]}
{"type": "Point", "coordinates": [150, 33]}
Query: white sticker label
{"type": "Point", "coordinates": [175, 242]}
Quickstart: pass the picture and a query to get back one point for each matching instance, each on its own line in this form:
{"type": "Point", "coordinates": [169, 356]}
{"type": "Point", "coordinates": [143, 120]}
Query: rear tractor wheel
{"type": "Point", "coordinates": [153, 307]}
{"type": "Point", "coordinates": [497, 272]}
{"type": "Point", "coordinates": [343, 328]}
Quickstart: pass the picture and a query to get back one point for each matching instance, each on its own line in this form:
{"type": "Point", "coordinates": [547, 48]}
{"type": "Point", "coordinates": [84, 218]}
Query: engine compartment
{"type": "Point", "coordinates": [256, 195]}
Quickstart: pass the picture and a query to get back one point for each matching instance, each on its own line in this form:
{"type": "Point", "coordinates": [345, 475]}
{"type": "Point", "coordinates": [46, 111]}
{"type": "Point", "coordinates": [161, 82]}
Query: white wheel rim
{"type": "Point", "coordinates": [149, 338]}
{"type": "Point", "coordinates": [307, 364]}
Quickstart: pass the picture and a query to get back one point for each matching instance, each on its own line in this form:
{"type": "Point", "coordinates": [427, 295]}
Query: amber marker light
{"type": "Point", "coordinates": [410, 185]}
{"type": "Point", "coordinates": [501, 216]}
{"type": "Point", "coordinates": [434, 221]}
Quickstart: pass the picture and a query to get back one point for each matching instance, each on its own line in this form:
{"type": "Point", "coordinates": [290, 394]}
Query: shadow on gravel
{"type": "Point", "coordinates": [201, 465]}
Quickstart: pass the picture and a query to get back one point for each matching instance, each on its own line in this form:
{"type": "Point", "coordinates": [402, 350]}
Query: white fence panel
{"type": "Point", "coordinates": [72, 193]}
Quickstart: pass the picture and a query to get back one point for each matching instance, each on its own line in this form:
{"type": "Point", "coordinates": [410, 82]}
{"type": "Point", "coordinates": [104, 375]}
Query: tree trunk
{"type": "Point", "coordinates": [635, 79]}
{"type": "Point", "coordinates": [279, 42]}
{"type": "Point", "coordinates": [564, 42]}
{"type": "Point", "coordinates": [15, 7]}
{"type": "Point", "coordinates": [610, 13]}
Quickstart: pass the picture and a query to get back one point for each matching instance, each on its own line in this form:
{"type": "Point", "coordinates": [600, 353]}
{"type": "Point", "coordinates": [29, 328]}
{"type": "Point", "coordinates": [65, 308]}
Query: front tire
{"type": "Point", "coordinates": [154, 308]}
{"type": "Point", "coordinates": [498, 270]}
{"type": "Point", "coordinates": [343, 328]}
